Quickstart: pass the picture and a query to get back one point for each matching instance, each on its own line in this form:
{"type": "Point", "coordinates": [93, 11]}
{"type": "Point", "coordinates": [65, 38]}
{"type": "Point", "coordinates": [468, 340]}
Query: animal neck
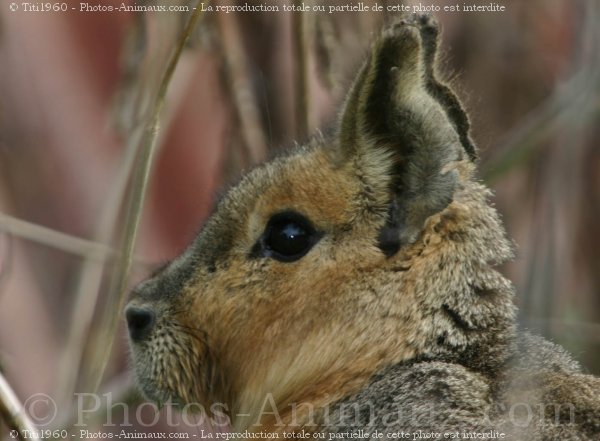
{"type": "Point", "coordinates": [296, 396]}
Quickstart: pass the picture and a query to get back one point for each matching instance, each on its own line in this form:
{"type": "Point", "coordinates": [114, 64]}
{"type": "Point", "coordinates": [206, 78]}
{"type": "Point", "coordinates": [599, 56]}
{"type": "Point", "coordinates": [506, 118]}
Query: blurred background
{"type": "Point", "coordinates": [77, 90]}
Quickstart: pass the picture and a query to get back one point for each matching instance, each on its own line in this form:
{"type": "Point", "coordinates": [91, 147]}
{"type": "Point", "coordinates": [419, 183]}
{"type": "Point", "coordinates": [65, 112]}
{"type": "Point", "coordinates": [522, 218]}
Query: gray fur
{"type": "Point", "coordinates": [522, 403]}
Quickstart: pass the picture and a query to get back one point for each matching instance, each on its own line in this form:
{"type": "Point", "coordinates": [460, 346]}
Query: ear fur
{"type": "Point", "coordinates": [397, 107]}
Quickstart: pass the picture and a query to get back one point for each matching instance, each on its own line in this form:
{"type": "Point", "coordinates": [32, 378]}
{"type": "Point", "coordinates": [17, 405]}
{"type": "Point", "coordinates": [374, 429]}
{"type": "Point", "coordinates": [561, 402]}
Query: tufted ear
{"type": "Point", "coordinates": [397, 111]}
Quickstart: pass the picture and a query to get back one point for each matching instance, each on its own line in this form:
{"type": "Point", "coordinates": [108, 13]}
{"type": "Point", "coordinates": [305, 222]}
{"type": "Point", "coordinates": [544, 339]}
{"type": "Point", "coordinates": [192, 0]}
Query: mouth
{"type": "Point", "coordinates": [149, 379]}
{"type": "Point", "coordinates": [152, 392]}
{"type": "Point", "coordinates": [159, 380]}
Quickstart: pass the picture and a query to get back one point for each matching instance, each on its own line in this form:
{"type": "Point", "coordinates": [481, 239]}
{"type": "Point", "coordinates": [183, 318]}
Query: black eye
{"type": "Point", "coordinates": [287, 237]}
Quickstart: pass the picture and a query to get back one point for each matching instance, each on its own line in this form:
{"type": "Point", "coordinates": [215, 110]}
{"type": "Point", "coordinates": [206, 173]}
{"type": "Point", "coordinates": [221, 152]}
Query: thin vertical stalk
{"type": "Point", "coordinates": [119, 285]}
{"type": "Point", "coordinates": [13, 413]}
{"type": "Point", "coordinates": [301, 50]}
{"type": "Point", "coordinates": [90, 281]}
{"type": "Point", "coordinates": [241, 89]}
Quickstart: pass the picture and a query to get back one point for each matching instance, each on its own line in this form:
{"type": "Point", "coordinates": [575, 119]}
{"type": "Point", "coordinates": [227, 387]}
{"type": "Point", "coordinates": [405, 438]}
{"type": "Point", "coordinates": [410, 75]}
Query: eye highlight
{"type": "Point", "coordinates": [288, 236]}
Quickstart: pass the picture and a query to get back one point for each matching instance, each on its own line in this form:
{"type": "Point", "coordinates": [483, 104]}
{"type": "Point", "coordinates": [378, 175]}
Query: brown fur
{"type": "Point", "coordinates": [398, 295]}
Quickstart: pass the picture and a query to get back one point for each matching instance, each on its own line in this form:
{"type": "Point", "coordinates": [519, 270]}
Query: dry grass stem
{"type": "Point", "coordinates": [14, 414]}
{"type": "Point", "coordinates": [301, 43]}
{"type": "Point", "coordinates": [90, 281]}
{"type": "Point", "coordinates": [119, 285]}
{"type": "Point", "coordinates": [54, 239]}
{"type": "Point", "coordinates": [241, 89]}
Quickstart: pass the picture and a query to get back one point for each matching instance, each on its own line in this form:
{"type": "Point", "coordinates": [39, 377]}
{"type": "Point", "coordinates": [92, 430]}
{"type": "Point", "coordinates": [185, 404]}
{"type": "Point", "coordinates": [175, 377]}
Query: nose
{"type": "Point", "coordinates": [140, 322]}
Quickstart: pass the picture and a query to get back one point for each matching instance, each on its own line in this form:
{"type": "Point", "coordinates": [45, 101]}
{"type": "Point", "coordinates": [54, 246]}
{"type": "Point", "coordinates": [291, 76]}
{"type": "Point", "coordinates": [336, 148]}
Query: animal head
{"type": "Point", "coordinates": [370, 247]}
